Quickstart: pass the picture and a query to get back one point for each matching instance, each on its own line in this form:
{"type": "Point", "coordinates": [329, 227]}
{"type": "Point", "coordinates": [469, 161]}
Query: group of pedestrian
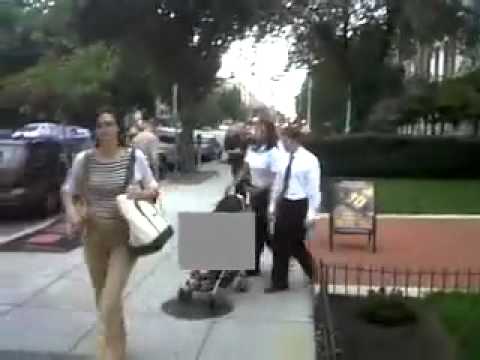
{"type": "Point", "coordinates": [284, 185]}
{"type": "Point", "coordinates": [284, 188]}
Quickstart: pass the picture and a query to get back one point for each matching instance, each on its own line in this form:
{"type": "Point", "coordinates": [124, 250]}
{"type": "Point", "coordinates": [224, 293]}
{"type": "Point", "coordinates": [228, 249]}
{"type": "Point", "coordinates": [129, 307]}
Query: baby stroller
{"type": "Point", "coordinates": [209, 281]}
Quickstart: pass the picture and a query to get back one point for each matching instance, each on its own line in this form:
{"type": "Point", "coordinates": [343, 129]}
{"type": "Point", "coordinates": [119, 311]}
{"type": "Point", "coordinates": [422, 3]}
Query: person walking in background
{"type": "Point", "coordinates": [98, 176]}
{"type": "Point", "coordinates": [198, 142]}
{"type": "Point", "coordinates": [148, 142]}
{"type": "Point", "coordinates": [236, 146]}
{"type": "Point", "coordinates": [131, 133]}
{"type": "Point", "coordinates": [261, 161]}
{"type": "Point", "coordinates": [236, 143]}
{"type": "Point", "coordinates": [294, 202]}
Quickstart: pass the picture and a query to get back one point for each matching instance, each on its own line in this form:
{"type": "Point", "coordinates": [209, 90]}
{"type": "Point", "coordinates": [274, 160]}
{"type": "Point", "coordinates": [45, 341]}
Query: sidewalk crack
{"type": "Point", "coordinates": [205, 339]}
{"type": "Point", "coordinates": [45, 287]}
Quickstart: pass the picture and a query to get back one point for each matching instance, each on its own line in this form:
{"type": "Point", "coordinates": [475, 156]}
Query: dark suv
{"type": "Point", "coordinates": [31, 174]}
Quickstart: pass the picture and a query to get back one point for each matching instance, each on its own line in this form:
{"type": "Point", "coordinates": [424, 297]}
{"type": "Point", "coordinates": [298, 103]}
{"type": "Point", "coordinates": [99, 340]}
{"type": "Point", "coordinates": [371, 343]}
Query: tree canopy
{"type": "Point", "coordinates": [182, 40]}
{"type": "Point", "coordinates": [362, 44]}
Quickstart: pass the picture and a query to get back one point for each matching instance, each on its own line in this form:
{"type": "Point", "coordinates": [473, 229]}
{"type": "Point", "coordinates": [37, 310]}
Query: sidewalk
{"type": "Point", "coordinates": [46, 304]}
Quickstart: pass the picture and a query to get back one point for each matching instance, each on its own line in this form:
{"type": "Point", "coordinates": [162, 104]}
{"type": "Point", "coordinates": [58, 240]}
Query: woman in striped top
{"type": "Point", "coordinates": [98, 176]}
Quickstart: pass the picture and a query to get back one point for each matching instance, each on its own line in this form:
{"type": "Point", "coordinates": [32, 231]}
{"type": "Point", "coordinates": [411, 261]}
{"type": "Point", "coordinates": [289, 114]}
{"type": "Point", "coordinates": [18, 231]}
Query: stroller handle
{"type": "Point", "coordinates": [230, 189]}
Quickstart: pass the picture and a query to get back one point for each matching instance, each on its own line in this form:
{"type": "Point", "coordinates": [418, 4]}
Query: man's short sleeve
{"type": "Point", "coordinates": [143, 173]}
{"type": "Point", "coordinates": [73, 182]}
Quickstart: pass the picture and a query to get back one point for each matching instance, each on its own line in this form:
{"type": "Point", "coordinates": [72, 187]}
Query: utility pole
{"type": "Point", "coordinates": [176, 121]}
{"type": "Point", "coordinates": [348, 116]}
{"type": "Point", "coordinates": [309, 101]}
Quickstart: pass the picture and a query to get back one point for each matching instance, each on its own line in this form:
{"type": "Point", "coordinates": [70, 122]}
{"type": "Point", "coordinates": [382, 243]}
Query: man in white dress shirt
{"type": "Point", "coordinates": [294, 201]}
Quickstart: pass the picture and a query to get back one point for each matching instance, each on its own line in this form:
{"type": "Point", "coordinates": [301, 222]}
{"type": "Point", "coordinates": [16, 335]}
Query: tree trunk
{"type": "Point", "coordinates": [450, 57]}
{"type": "Point", "coordinates": [476, 127]}
{"type": "Point", "coordinates": [186, 150]}
{"type": "Point", "coordinates": [437, 64]}
{"type": "Point", "coordinates": [453, 54]}
{"type": "Point", "coordinates": [446, 57]}
{"type": "Point", "coordinates": [442, 127]}
{"type": "Point", "coordinates": [427, 62]}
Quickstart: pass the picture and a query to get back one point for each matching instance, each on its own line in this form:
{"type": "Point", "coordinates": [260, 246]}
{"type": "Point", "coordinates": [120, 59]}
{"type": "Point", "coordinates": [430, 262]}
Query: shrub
{"type": "Point", "coordinates": [389, 156]}
{"type": "Point", "coordinates": [388, 310]}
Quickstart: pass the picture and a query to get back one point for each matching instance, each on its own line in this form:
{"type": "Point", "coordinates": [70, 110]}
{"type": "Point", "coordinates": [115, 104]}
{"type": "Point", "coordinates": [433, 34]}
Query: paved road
{"type": "Point", "coordinates": [46, 305]}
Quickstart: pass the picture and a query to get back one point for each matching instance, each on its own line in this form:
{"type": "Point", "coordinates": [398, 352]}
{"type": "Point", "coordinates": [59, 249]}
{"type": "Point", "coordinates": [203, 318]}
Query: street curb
{"type": "Point", "coordinates": [29, 231]}
{"type": "Point", "coordinates": [417, 217]}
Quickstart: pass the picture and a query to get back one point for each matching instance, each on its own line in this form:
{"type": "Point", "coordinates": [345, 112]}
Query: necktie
{"type": "Point", "coordinates": [286, 179]}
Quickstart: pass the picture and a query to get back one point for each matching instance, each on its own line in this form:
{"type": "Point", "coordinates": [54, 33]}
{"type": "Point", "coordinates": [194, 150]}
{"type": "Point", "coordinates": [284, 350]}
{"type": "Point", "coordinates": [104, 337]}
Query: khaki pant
{"type": "Point", "coordinates": [109, 263]}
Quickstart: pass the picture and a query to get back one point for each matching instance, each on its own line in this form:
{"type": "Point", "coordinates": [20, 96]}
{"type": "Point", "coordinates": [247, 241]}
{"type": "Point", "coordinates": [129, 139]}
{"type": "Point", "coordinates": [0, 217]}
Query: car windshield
{"type": "Point", "coordinates": [31, 127]}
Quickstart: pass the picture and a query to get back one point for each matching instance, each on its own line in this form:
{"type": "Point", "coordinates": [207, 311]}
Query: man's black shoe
{"type": "Point", "coordinates": [275, 289]}
{"type": "Point", "coordinates": [251, 273]}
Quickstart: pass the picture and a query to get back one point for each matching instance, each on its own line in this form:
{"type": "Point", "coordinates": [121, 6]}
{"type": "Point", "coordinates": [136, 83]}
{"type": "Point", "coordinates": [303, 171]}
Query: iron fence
{"type": "Point", "coordinates": [348, 280]}
{"type": "Point", "coordinates": [326, 332]}
{"type": "Point", "coordinates": [360, 280]}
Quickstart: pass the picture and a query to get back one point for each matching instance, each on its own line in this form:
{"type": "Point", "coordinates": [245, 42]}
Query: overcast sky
{"type": "Point", "coordinates": [256, 67]}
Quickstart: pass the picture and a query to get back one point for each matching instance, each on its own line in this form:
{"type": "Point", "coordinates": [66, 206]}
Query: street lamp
{"type": "Point", "coordinates": [313, 62]}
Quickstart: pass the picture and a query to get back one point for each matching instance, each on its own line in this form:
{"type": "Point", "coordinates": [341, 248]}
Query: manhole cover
{"type": "Point", "coordinates": [197, 308]}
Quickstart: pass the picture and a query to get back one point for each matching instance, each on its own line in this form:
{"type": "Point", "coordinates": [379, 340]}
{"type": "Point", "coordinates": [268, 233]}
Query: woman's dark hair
{"type": "Point", "coordinates": [271, 138]}
{"type": "Point", "coordinates": [122, 137]}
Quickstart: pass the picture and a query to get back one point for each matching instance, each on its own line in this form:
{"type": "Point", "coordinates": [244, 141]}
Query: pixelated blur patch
{"type": "Point", "coordinates": [216, 241]}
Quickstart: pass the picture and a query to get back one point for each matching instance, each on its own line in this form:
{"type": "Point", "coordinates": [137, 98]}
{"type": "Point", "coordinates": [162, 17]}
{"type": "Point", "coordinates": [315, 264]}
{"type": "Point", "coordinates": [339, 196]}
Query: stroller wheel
{"type": "Point", "coordinates": [241, 285]}
{"type": "Point", "coordinates": [212, 302]}
{"type": "Point", "coordinates": [184, 295]}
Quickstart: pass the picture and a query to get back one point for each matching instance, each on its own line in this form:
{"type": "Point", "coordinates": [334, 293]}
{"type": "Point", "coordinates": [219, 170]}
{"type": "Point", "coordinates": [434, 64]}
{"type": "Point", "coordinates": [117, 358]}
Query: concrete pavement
{"type": "Point", "coordinates": [47, 307]}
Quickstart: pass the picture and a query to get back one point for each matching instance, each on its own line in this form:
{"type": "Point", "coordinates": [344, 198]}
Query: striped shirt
{"type": "Point", "coordinates": [106, 180]}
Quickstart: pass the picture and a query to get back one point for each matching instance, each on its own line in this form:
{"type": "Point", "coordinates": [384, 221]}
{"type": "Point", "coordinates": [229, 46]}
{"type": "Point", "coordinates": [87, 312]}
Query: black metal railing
{"type": "Point", "coordinates": [348, 280]}
{"type": "Point", "coordinates": [360, 280]}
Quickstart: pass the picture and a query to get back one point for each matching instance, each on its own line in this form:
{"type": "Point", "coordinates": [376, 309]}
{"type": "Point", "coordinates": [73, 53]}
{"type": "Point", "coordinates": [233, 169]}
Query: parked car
{"type": "Point", "coordinates": [210, 149]}
{"type": "Point", "coordinates": [6, 133]}
{"type": "Point", "coordinates": [168, 149]}
{"type": "Point", "coordinates": [77, 132]}
{"type": "Point", "coordinates": [39, 130]}
{"type": "Point", "coordinates": [31, 174]}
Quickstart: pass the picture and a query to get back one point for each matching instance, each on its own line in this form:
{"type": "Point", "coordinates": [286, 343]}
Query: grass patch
{"type": "Point", "coordinates": [460, 315]}
{"type": "Point", "coordinates": [428, 196]}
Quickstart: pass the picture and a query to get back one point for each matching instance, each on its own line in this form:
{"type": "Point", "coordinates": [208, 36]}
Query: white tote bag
{"type": "Point", "coordinates": [149, 230]}
{"type": "Point", "coordinates": [148, 227]}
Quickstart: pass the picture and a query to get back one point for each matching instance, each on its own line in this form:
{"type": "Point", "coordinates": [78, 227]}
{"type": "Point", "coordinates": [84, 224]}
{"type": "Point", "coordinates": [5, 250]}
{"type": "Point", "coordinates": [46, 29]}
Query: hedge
{"type": "Point", "coordinates": [388, 156]}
